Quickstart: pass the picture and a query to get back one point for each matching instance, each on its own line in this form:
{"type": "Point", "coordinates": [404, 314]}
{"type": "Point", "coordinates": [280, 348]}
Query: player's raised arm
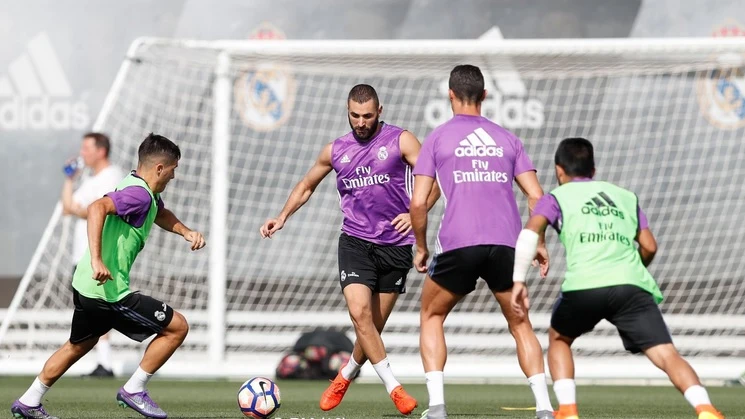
{"type": "Point", "coordinates": [166, 220]}
{"type": "Point", "coordinates": [300, 193]}
{"type": "Point", "coordinates": [410, 147]}
{"type": "Point", "coordinates": [97, 212]}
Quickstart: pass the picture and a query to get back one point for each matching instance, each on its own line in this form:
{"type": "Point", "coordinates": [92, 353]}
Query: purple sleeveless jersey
{"type": "Point", "coordinates": [475, 162]}
{"type": "Point", "coordinates": [374, 183]}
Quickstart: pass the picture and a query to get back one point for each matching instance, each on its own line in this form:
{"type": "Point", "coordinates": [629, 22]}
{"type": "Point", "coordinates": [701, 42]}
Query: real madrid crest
{"type": "Point", "coordinates": [264, 92]}
{"type": "Point", "coordinates": [382, 153]}
{"type": "Point", "coordinates": [721, 91]}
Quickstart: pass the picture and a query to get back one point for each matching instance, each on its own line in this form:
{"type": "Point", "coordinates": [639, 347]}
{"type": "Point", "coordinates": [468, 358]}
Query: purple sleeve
{"type": "Point", "coordinates": [132, 204]}
{"type": "Point", "coordinates": [522, 160]}
{"type": "Point", "coordinates": [642, 217]}
{"type": "Point", "coordinates": [548, 207]}
{"type": "Point", "coordinates": [425, 163]}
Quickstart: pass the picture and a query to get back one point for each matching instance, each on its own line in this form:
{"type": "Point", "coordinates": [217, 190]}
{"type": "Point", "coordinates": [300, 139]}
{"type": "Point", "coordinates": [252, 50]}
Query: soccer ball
{"type": "Point", "coordinates": [337, 360]}
{"type": "Point", "coordinates": [259, 398]}
{"type": "Point", "coordinates": [291, 365]}
{"type": "Point", "coordinates": [315, 353]}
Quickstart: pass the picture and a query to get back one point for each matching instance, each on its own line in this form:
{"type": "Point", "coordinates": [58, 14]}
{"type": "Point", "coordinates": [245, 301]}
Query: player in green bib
{"type": "Point", "coordinates": [600, 225]}
{"type": "Point", "coordinates": [118, 226]}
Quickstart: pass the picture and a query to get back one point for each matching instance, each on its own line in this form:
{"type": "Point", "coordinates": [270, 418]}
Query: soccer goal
{"type": "Point", "coordinates": [667, 118]}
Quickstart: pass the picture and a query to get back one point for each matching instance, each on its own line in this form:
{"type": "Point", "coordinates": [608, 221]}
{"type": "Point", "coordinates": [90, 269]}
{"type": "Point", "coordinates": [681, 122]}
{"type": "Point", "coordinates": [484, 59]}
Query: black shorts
{"type": "Point", "coordinates": [136, 316]}
{"type": "Point", "coordinates": [458, 270]}
{"type": "Point", "coordinates": [382, 268]}
{"type": "Point", "coordinates": [631, 309]}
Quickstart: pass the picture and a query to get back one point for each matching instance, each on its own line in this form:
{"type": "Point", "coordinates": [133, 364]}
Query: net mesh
{"type": "Point", "coordinates": [666, 126]}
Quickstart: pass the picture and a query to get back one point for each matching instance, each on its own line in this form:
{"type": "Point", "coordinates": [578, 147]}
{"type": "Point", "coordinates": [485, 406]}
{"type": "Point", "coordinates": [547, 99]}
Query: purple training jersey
{"type": "Point", "coordinates": [132, 204]}
{"type": "Point", "coordinates": [374, 183]}
{"type": "Point", "coordinates": [475, 161]}
{"type": "Point", "coordinates": [548, 207]}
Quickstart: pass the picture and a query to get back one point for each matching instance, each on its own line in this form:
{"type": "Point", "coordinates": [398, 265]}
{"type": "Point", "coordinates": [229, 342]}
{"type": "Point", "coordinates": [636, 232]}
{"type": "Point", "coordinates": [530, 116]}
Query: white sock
{"type": "Point", "coordinates": [435, 387]}
{"type": "Point", "coordinates": [103, 352]}
{"type": "Point", "coordinates": [32, 396]}
{"type": "Point", "coordinates": [350, 369]}
{"type": "Point", "coordinates": [566, 391]}
{"type": "Point", "coordinates": [540, 391]}
{"type": "Point", "coordinates": [138, 381]}
{"type": "Point", "coordinates": [383, 368]}
{"type": "Point", "coordinates": [697, 395]}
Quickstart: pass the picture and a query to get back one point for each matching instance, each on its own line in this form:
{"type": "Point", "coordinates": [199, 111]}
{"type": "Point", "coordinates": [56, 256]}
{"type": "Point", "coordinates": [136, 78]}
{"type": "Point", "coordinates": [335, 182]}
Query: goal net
{"type": "Point", "coordinates": [667, 119]}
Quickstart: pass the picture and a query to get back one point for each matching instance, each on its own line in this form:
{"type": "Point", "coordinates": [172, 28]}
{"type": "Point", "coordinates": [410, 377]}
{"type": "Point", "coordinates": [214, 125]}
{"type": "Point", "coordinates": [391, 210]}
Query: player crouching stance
{"type": "Point", "coordinates": [118, 226]}
{"type": "Point", "coordinates": [606, 276]}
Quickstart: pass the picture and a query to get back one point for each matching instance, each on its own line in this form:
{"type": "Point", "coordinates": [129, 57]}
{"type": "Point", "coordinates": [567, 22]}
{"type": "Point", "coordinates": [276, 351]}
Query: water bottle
{"type": "Point", "coordinates": [73, 166]}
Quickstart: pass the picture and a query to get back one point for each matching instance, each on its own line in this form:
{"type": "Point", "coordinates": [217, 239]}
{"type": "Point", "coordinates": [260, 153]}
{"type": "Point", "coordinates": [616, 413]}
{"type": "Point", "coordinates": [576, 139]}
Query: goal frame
{"type": "Point", "coordinates": [218, 319]}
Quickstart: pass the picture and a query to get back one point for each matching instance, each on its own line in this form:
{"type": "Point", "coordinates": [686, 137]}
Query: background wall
{"type": "Point", "coordinates": [58, 60]}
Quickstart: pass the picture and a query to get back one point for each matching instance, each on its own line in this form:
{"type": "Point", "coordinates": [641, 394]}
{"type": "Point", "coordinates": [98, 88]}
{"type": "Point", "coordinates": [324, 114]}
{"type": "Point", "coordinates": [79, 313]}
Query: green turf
{"type": "Point", "coordinates": [95, 398]}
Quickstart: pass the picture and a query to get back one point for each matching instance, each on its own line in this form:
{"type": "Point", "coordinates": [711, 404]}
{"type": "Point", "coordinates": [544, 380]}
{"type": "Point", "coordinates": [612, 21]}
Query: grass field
{"type": "Point", "coordinates": [94, 398]}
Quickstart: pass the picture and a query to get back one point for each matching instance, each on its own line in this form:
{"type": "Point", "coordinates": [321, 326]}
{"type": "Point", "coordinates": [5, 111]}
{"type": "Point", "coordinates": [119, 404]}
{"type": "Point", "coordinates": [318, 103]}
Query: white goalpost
{"type": "Point", "coordinates": [667, 117]}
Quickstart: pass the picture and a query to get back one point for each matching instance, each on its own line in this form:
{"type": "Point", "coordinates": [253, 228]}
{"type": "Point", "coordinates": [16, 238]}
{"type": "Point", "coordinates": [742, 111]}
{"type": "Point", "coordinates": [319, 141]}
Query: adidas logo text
{"type": "Point", "coordinates": [36, 95]}
{"type": "Point", "coordinates": [19, 114]}
{"type": "Point", "coordinates": [602, 205]}
{"type": "Point", "coordinates": [605, 211]}
{"type": "Point", "coordinates": [478, 144]}
{"type": "Point", "coordinates": [509, 102]}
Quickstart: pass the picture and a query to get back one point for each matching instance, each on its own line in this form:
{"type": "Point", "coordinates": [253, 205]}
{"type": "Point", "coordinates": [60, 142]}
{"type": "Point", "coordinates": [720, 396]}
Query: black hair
{"type": "Point", "coordinates": [154, 146]}
{"type": "Point", "coordinates": [361, 93]}
{"type": "Point", "coordinates": [467, 83]}
{"type": "Point", "coordinates": [576, 156]}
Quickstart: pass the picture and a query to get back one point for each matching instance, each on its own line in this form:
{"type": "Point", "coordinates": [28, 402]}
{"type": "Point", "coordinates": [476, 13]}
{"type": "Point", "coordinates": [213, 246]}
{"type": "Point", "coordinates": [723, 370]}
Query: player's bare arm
{"type": "Point", "coordinates": [410, 147]}
{"type": "Point", "coordinates": [531, 188]}
{"type": "Point", "coordinates": [166, 220]}
{"type": "Point", "coordinates": [301, 193]}
{"type": "Point", "coordinates": [418, 211]}
{"type": "Point", "coordinates": [526, 249]}
{"type": "Point", "coordinates": [97, 212]}
{"type": "Point", "coordinates": [647, 246]}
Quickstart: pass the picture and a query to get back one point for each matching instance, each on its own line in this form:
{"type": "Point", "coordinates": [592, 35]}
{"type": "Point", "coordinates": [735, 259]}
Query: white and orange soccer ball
{"type": "Point", "coordinates": [259, 398]}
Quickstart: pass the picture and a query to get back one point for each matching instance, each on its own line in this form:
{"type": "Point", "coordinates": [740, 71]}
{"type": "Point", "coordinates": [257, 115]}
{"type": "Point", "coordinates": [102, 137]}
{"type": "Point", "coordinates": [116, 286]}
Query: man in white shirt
{"type": "Point", "coordinates": [101, 179]}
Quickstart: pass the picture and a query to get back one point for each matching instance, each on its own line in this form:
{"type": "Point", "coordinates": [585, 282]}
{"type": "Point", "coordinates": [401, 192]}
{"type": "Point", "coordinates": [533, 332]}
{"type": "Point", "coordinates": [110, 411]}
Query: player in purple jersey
{"type": "Point", "coordinates": [474, 161]}
{"type": "Point", "coordinates": [373, 176]}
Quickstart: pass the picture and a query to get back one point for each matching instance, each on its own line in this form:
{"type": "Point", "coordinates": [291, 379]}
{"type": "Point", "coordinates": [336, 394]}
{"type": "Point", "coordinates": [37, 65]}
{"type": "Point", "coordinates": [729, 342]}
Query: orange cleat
{"type": "Point", "coordinates": [334, 393]}
{"type": "Point", "coordinates": [403, 401]}
{"type": "Point", "coordinates": [566, 411]}
{"type": "Point", "coordinates": [707, 411]}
